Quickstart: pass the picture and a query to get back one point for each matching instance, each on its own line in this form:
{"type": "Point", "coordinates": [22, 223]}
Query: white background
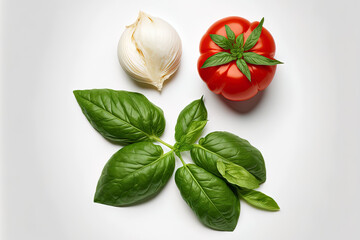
{"type": "Point", "coordinates": [306, 123]}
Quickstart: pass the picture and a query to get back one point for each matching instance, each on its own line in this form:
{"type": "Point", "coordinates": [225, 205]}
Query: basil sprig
{"type": "Point", "coordinates": [238, 51]}
{"type": "Point", "coordinates": [227, 168]}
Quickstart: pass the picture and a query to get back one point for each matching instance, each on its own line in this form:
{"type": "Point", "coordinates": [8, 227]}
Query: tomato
{"type": "Point", "coordinates": [227, 79]}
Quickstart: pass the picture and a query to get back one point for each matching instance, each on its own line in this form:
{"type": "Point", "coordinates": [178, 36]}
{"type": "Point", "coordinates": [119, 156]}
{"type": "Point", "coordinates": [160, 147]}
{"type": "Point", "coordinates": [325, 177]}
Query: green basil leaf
{"type": "Point", "coordinates": [221, 41]}
{"type": "Point", "coordinates": [230, 34]}
{"type": "Point", "coordinates": [120, 116]}
{"type": "Point", "coordinates": [243, 67]}
{"type": "Point", "coordinates": [237, 175]}
{"type": "Point", "coordinates": [258, 199]}
{"type": "Point", "coordinates": [210, 198]}
{"type": "Point", "coordinates": [194, 112]}
{"type": "Point", "coordinates": [133, 174]}
{"type": "Point", "coordinates": [193, 133]}
{"type": "Point", "coordinates": [227, 146]}
{"type": "Point", "coordinates": [218, 59]}
{"type": "Point", "coordinates": [254, 58]}
{"type": "Point", "coordinates": [239, 41]}
{"type": "Point", "coordinates": [254, 36]}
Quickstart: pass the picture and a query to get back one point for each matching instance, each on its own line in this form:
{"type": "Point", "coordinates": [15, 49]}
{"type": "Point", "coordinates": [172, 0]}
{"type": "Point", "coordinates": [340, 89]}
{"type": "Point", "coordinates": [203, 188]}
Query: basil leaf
{"type": "Point", "coordinates": [227, 146]}
{"type": "Point", "coordinates": [210, 198]}
{"type": "Point", "coordinates": [193, 133]}
{"type": "Point", "coordinates": [243, 67]}
{"type": "Point", "coordinates": [120, 116]}
{"type": "Point", "coordinates": [237, 175]}
{"type": "Point", "coordinates": [254, 58]}
{"type": "Point", "coordinates": [221, 41]}
{"type": "Point", "coordinates": [218, 59]}
{"type": "Point", "coordinates": [194, 112]}
{"type": "Point", "coordinates": [254, 36]}
{"type": "Point", "coordinates": [230, 34]}
{"type": "Point", "coordinates": [239, 41]}
{"type": "Point", "coordinates": [133, 174]}
{"type": "Point", "coordinates": [258, 199]}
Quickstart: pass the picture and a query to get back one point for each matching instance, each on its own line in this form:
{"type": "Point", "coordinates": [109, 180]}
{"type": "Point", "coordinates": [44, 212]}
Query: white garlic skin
{"type": "Point", "coordinates": [149, 50]}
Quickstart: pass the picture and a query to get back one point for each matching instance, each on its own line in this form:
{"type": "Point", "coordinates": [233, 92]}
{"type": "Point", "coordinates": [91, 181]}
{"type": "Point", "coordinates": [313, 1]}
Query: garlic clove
{"type": "Point", "coordinates": [150, 50]}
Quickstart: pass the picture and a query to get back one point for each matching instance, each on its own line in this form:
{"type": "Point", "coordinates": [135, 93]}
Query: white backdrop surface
{"type": "Point", "coordinates": [306, 123]}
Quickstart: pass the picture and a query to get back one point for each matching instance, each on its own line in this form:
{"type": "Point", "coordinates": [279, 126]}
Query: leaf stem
{"type": "Point", "coordinates": [181, 159]}
{"type": "Point", "coordinates": [161, 141]}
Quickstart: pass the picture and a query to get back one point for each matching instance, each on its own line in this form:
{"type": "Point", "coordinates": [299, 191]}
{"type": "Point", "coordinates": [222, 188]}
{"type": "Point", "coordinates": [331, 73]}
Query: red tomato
{"type": "Point", "coordinates": [227, 79]}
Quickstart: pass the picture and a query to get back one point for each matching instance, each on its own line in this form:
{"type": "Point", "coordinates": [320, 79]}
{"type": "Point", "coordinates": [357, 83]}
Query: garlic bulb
{"type": "Point", "coordinates": [150, 50]}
